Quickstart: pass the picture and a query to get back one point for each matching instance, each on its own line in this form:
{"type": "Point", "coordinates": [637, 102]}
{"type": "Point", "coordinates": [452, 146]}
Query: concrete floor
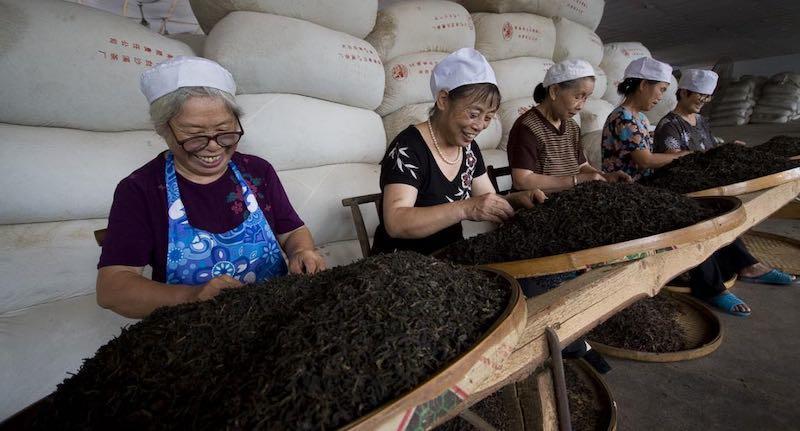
{"type": "Point", "coordinates": [750, 383]}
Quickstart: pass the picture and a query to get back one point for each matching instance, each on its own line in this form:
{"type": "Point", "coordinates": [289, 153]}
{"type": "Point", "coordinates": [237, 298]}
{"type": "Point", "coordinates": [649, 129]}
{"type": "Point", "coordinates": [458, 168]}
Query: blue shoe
{"type": "Point", "coordinates": [726, 302]}
{"type": "Point", "coordinates": [774, 276]}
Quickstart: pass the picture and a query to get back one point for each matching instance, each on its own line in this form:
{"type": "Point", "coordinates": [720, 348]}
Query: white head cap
{"type": "Point", "coordinates": [699, 81]}
{"type": "Point", "coordinates": [567, 70]}
{"type": "Point", "coordinates": [170, 75]}
{"type": "Point", "coordinates": [648, 68]}
{"type": "Point", "coordinates": [462, 67]}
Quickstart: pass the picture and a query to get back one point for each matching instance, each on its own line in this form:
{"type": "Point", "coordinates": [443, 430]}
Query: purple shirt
{"type": "Point", "coordinates": [137, 224]}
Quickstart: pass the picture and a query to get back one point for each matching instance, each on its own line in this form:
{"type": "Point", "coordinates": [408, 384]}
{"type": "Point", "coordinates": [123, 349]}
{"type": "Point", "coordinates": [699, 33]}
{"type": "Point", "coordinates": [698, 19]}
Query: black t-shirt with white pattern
{"type": "Point", "coordinates": [408, 160]}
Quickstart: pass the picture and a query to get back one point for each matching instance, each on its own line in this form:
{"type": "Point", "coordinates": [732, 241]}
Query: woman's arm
{"type": "Point", "coordinates": [645, 159]}
{"type": "Point", "coordinates": [299, 247]}
{"type": "Point", "coordinates": [524, 179]}
{"type": "Point", "coordinates": [483, 188]}
{"type": "Point", "coordinates": [403, 220]}
{"type": "Point", "coordinates": [124, 290]}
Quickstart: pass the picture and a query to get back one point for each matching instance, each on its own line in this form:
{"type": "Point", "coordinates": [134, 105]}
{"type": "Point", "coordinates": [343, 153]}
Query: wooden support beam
{"type": "Point", "coordinates": [579, 305]}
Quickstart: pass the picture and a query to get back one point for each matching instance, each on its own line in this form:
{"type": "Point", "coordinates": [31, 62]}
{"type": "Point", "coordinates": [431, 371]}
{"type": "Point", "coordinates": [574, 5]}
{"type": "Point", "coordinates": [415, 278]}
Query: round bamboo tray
{"type": "Point", "coordinates": [750, 186]}
{"type": "Point", "coordinates": [794, 158]}
{"type": "Point", "coordinates": [423, 406]}
{"type": "Point", "coordinates": [601, 393]}
{"type": "Point", "coordinates": [676, 286]}
{"type": "Point", "coordinates": [732, 215]}
{"type": "Point", "coordinates": [703, 329]}
{"type": "Point", "coordinates": [774, 250]}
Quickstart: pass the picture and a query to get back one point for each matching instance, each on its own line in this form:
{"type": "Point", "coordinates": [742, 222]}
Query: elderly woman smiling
{"type": "Point", "coordinates": [202, 215]}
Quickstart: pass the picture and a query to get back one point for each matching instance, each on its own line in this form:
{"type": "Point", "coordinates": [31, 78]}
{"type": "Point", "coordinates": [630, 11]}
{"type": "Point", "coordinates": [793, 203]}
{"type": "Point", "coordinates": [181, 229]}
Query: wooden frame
{"type": "Point", "coordinates": [358, 218]}
{"type": "Point", "coordinates": [750, 186]}
{"type": "Point", "coordinates": [494, 173]}
{"type": "Point", "coordinates": [628, 250]}
{"type": "Point", "coordinates": [580, 304]}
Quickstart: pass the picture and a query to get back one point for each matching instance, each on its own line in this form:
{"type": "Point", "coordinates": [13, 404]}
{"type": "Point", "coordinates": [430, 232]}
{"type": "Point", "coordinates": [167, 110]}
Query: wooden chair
{"type": "Point", "coordinates": [100, 236]}
{"type": "Point", "coordinates": [358, 219]}
{"type": "Point", "coordinates": [494, 173]}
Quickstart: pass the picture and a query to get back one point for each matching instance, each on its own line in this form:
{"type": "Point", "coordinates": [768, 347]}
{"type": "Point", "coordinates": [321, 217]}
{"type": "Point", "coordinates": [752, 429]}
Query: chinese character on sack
{"type": "Point", "coordinates": [159, 52]}
{"type": "Point", "coordinates": [124, 43]}
{"type": "Point", "coordinates": [136, 46]}
{"type": "Point", "coordinates": [114, 56]}
{"type": "Point", "coordinates": [112, 40]}
{"type": "Point", "coordinates": [137, 60]}
{"type": "Point", "coordinates": [147, 49]}
{"type": "Point", "coordinates": [169, 55]}
{"type": "Point", "coordinates": [126, 59]}
{"type": "Point", "coordinates": [148, 63]}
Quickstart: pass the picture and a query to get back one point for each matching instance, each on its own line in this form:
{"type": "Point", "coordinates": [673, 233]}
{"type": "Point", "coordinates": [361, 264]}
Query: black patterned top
{"type": "Point", "coordinates": [408, 160]}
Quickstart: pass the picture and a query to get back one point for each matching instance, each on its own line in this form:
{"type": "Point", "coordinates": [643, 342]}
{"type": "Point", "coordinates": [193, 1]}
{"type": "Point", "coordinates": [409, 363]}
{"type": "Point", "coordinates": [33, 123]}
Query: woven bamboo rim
{"type": "Point", "coordinates": [750, 186]}
{"type": "Point", "coordinates": [606, 397]}
{"type": "Point", "coordinates": [697, 318]}
{"type": "Point", "coordinates": [629, 250]}
{"type": "Point", "coordinates": [788, 261]}
{"type": "Point", "coordinates": [464, 374]}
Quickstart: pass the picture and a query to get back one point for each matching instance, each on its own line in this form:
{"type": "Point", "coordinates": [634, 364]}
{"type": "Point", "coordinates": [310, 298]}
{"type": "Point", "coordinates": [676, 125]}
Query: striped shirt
{"type": "Point", "coordinates": [536, 145]}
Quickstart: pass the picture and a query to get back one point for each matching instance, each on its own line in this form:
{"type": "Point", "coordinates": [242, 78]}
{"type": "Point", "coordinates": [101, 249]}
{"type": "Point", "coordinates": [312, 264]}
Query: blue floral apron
{"type": "Point", "coordinates": [249, 252]}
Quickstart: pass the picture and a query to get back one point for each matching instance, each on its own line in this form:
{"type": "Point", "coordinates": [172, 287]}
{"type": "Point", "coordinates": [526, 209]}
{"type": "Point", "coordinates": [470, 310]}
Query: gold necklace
{"type": "Point", "coordinates": [439, 150]}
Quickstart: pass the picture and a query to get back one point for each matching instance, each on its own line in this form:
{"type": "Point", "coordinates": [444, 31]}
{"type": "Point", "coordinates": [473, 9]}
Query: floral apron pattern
{"type": "Point", "coordinates": [248, 252]}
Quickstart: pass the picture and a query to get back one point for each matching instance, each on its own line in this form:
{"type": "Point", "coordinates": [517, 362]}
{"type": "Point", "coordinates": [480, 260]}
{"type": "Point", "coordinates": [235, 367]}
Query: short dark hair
{"type": "Point", "coordinates": [629, 85]}
{"type": "Point", "coordinates": [484, 92]}
{"type": "Point", "coordinates": [540, 92]}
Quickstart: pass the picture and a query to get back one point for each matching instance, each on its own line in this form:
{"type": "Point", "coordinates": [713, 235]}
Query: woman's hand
{"type": "Point", "coordinates": [214, 286]}
{"type": "Point", "coordinates": [526, 198]}
{"type": "Point", "coordinates": [589, 176]}
{"type": "Point", "coordinates": [489, 207]}
{"type": "Point", "coordinates": [306, 261]}
{"type": "Point", "coordinates": [618, 177]}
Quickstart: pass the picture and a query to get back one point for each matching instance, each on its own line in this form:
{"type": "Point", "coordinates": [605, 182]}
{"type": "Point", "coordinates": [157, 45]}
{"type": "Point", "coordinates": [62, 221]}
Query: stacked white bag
{"type": "Point", "coordinates": [75, 70]}
{"type": "Point", "coordinates": [411, 38]}
{"type": "Point", "coordinates": [779, 101]}
{"type": "Point", "coordinates": [309, 88]}
{"type": "Point", "coordinates": [733, 106]}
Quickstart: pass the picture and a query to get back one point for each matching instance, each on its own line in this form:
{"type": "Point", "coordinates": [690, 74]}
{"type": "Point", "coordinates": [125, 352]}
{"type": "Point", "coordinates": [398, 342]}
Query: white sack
{"type": "Point", "coordinates": [509, 35]}
{"type": "Point", "coordinates": [421, 25]}
{"type": "Point", "coordinates": [77, 171]}
{"type": "Point", "coordinates": [789, 103]}
{"type": "Point", "coordinates": [600, 83]}
{"type": "Point", "coordinates": [574, 41]}
{"type": "Point", "coordinates": [316, 194]}
{"type": "Point", "coordinates": [518, 77]}
{"type": "Point", "coordinates": [616, 57]}
{"type": "Point", "coordinates": [592, 148]}
{"type": "Point", "coordinates": [354, 17]}
{"type": "Point", "coordinates": [44, 343]}
{"type": "Point", "coordinates": [294, 132]}
{"type": "Point", "coordinates": [67, 65]}
{"type": "Point", "coordinates": [772, 110]}
{"type": "Point", "coordinates": [729, 121]}
{"type": "Point", "coordinates": [275, 54]}
{"type": "Point", "coordinates": [594, 115]}
{"type": "Point", "coordinates": [196, 42]}
{"type": "Point", "coordinates": [408, 80]}
{"type": "Point", "coordinates": [340, 253]}
{"type": "Point", "coordinates": [58, 260]}
{"type": "Point", "coordinates": [726, 112]}
{"type": "Point", "coordinates": [757, 118]}
{"type": "Point", "coordinates": [585, 12]}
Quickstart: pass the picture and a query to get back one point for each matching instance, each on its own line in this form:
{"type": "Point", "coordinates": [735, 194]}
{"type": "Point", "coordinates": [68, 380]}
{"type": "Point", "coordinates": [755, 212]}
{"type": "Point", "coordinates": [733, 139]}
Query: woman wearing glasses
{"type": "Point", "coordinates": [202, 215]}
{"type": "Point", "coordinates": [684, 129]}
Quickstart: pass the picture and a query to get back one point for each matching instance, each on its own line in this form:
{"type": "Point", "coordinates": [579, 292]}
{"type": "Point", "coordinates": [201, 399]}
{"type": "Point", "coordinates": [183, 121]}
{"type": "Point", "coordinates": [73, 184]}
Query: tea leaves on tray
{"type": "Point", "coordinates": [781, 146]}
{"type": "Point", "coordinates": [297, 352]}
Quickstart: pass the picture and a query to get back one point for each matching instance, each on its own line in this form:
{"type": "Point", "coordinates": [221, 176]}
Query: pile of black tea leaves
{"type": "Point", "coordinates": [584, 407]}
{"type": "Point", "coordinates": [781, 146]}
{"type": "Point", "coordinates": [649, 325]}
{"type": "Point", "coordinates": [589, 215]}
{"type": "Point", "coordinates": [720, 166]}
{"type": "Point", "coordinates": [297, 352]}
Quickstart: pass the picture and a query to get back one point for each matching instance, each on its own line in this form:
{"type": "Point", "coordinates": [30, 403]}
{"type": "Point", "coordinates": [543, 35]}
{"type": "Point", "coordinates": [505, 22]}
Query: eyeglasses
{"type": "Point", "coordinates": [198, 143]}
{"type": "Point", "coordinates": [703, 98]}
